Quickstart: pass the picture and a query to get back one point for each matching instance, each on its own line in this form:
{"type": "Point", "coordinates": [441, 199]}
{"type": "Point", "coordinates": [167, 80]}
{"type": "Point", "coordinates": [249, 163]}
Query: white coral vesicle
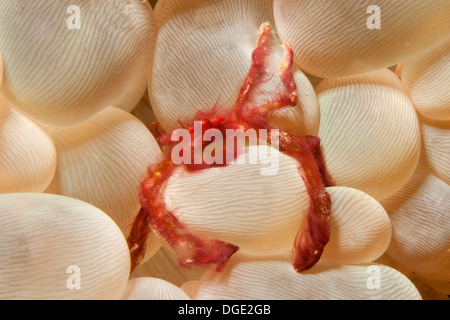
{"type": "Point", "coordinates": [62, 75]}
{"type": "Point", "coordinates": [27, 152]}
{"type": "Point", "coordinates": [55, 247]}
{"type": "Point", "coordinates": [102, 161]}
{"type": "Point", "coordinates": [332, 39]}
{"type": "Point", "coordinates": [369, 131]}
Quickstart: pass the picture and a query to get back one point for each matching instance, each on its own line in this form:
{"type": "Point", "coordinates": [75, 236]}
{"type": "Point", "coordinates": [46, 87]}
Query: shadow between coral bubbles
{"type": "Point", "coordinates": [153, 3]}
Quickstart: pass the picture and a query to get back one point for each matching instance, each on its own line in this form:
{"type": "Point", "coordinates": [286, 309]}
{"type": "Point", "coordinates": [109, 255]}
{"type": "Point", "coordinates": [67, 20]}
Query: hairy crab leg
{"type": "Point", "coordinates": [314, 232]}
{"type": "Point", "coordinates": [285, 72]}
{"type": "Point", "coordinates": [313, 144]}
{"type": "Point", "coordinates": [190, 249]}
{"type": "Point", "coordinates": [137, 239]}
{"type": "Point", "coordinates": [287, 98]}
{"type": "Point", "coordinates": [259, 64]}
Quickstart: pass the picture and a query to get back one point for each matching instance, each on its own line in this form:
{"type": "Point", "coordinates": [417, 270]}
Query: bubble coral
{"type": "Point", "coordinates": [72, 155]}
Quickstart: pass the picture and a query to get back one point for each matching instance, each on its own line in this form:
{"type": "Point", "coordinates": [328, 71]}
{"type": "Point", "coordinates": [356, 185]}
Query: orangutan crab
{"type": "Point", "coordinates": [192, 250]}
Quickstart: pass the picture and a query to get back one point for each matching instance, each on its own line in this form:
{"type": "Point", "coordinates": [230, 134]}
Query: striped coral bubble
{"type": "Point", "coordinates": [418, 210]}
{"type": "Point", "coordinates": [333, 38]}
{"type": "Point", "coordinates": [425, 78]}
{"type": "Point", "coordinates": [55, 247]}
{"type": "Point", "coordinates": [369, 132]}
{"type": "Point", "coordinates": [27, 152]}
{"type": "Point", "coordinates": [435, 153]}
{"type": "Point", "coordinates": [62, 75]}
{"type": "Point", "coordinates": [147, 288]}
{"type": "Point", "coordinates": [360, 227]}
{"type": "Point", "coordinates": [249, 278]}
{"type": "Point", "coordinates": [103, 161]}
{"type": "Point", "coordinates": [236, 203]}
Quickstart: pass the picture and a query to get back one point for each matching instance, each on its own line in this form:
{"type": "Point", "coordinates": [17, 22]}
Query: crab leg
{"type": "Point", "coordinates": [137, 239]}
{"type": "Point", "coordinates": [259, 64]}
{"type": "Point", "coordinates": [314, 232]}
{"type": "Point", "coordinates": [190, 249]}
{"type": "Point", "coordinates": [287, 98]}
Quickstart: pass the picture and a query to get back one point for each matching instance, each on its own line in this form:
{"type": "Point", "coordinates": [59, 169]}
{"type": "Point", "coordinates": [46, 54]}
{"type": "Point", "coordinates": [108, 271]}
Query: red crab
{"type": "Point", "coordinates": [192, 250]}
